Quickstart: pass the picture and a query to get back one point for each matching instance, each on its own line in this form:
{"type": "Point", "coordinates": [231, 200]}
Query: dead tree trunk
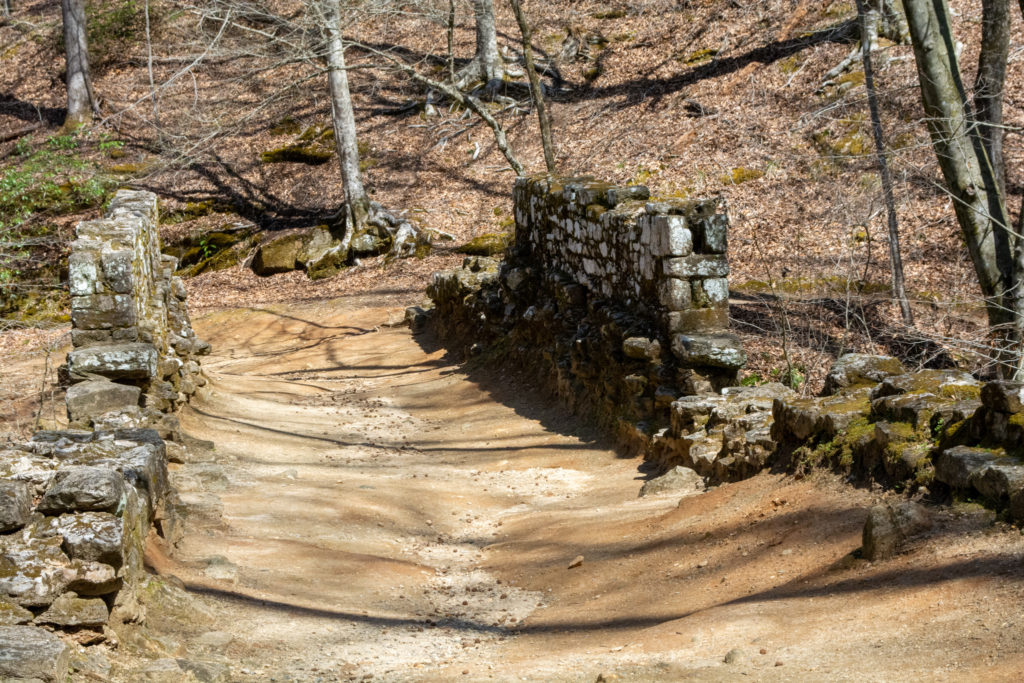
{"type": "Point", "coordinates": [899, 289]}
{"type": "Point", "coordinates": [535, 90]}
{"type": "Point", "coordinates": [969, 177]}
{"type": "Point", "coordinates": [357, 203]}
{"type": "Point", "coordinates": [988, 86]}
{"type": "Point", "coordinates": [81, 102]}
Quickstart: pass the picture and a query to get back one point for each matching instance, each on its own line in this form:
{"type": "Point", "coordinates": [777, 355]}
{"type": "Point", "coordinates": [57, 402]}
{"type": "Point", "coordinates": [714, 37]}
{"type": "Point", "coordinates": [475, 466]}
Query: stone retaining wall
{"type": "Point", "coordinates": [573, 303]}
{"type": "Point", "coordinates": [76, 505]}
{"type": "Point", "coordinates": [664, 259]}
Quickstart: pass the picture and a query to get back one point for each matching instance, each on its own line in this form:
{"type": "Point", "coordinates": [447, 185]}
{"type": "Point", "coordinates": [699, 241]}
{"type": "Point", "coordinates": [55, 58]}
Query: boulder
{"type": "Point", "coordinates": [1003, 396]}
{"type": "Point", "coordinates": [887, 527]}
{"type": "Point", "coordinates": [15, 505]}
{"type": "Point", "coordinates": [676, 480]}
{"type": "Point", "coordinates": [89, 399]}
{"type": "Point", "coordinates": [999, 480]}
{"type": "Point", "coordinates": [28, 653]}
{"type": "Point", "coordinates": [860, 369]}
{"type": "Point", "coordinates": [279, 254]}
{"type": "Point", "coordinates": [83, 489]}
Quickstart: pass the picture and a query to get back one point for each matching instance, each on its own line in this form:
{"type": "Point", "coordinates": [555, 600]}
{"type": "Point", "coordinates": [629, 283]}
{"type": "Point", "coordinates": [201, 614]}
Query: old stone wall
{"type": "Point", "coordinates": [76, 505]}
{"type": "Point", "coordinates": [664, 259]}
{"type": "Point", "coordinates": [580, 302]}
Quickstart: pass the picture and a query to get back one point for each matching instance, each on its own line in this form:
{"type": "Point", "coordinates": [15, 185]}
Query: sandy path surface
{"type": "Point", "coordinates": [383, 514]}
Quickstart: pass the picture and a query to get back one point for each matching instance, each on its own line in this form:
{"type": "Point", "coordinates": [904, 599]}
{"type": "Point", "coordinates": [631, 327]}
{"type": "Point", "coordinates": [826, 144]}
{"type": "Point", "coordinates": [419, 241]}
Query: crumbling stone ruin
{"type": "Point", "coordinates": [76, 505]}
{"type": "Point", "coordinates": [620, 305]}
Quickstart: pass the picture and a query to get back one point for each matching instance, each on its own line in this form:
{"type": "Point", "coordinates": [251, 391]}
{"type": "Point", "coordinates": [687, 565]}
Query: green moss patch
{"type": "Point", "coordinates": [488, 244]}
{"type": "Point", "coordinates": [740, 175]}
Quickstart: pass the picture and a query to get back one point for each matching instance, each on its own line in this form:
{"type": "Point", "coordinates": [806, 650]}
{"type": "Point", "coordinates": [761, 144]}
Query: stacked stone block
{"type": "Point", "coordinates": [76, 505]}
{"type": "Point", "coordinates": [665, 258]}
{"type": "Point", "coordinates": [129, 321]}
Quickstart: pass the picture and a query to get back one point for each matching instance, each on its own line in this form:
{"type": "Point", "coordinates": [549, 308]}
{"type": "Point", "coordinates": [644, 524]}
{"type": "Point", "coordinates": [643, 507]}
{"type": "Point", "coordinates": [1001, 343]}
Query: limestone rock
{"type": "Point", "coordinates": [12, 614]}
{"type": "Point", "coordinates": [92, 537]}
{"type": "Point", "coordinates": [95, 397]}
{"type": "Point", "coordinates": [15, 505]}
{"type": "Point", "coordinates": [82, 489]}
{"type": "Point", "coordinates": [956, 466]}
{"type": "Point", "coordinates": [71, 610]}
{"type": "Point", "coordinates": [677, 479]}
{"type": "Point", "coordinates": [29, 653]}
{"type": "Point", "coordinates": [722, 350]}
{"type": "Point", "coordinates": [93, 578]}
{"type": "Point", "coordinates": [1003, 396]}
{"type": "Point", "coordinates": [279, 254]}
{"type": "Point", "coordinates": [641, 348]}
{"type": "Point", "coordinates": [116, 361]}
{"type": "Point", "coordinates": [33, 570]}
{"type": "Point", "coordinates": [888, 526]}
{"type": "Point", "coordinates": [999, 480]}
{"type": "Point", "coordinates": [860, 369]}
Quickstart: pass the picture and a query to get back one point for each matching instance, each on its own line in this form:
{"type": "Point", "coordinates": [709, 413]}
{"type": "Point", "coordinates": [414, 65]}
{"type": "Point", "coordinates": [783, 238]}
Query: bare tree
{"type": "Point", "coordinates": [988, 86]}
{"type": "Point", "coordinates": [899, 289]}
{"type": "Point", "coordinates": [536, 92]}
{"type": "Point", "coordinates": [972, 183]}
{"type": "Point", "coordinates": [357, 203]}
{"type": "Point", "coordinates": [879, 19]}
{"type": "Point", "coordinates": [5, 8]}
{"type": "Point", "coordinates": [81, 100]}
{"type": "Point", "coordinates": [487, 65]}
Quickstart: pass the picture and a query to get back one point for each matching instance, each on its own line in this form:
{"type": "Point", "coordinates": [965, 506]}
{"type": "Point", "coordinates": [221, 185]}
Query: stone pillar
{"type": "Point", "coordinates": [129, 321]}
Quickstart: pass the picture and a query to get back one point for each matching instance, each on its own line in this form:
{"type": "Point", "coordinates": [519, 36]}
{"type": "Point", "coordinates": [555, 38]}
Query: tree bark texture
{"type": "Point", "coordinates": [969, 177]}
{"type": "Point", "coordinates": [535, 89]}
{"type": "Point", "coordinates": [487, 65]}
{"type": "Point", "coordinates": [899, 289]}
{"type": "Point", "coordinates": [988, 86]}
{"type": "Point", "coordinates": [357, 203]}
{"type": "Point", "coordinates": [76, 54]}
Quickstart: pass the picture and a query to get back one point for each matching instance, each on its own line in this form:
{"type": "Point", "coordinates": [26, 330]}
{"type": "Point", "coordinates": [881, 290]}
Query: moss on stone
{"type": "Point", "coordinates": [125, 169]}
{"type": "Point", "coordinates": [741, 174]}
{"type": "Point", "coordinates": [286, 126]}
{"type": "Point", "coordinates": [488, 244]}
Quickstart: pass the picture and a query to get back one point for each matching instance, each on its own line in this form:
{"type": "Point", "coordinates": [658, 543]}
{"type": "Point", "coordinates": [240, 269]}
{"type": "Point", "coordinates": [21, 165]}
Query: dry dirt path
{"type": "Point", "coordinates": [385, 515]}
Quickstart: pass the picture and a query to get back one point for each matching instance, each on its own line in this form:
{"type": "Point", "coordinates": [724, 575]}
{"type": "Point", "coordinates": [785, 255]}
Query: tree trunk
{"type": "Point", "coordinates": [988, 87]}
{"type": "Point", "coordinates": [899, 290]}
{"type": "Point", "coordinates": [76, 53]}
{"type": "Point", "coordinates": [535, 89]}
{"type": "Point", "coordinates": [451, 40]}
{"type": "Point", "coordinates": [5, 8]}
{"type": "Point", "coordinates": [487, 41]}
{"type": "Point", "coordinates": [357, 203]}
{"type": "Point", "coordinates": [487, 65]}
{"type": "Point", "coordinates": [969, 177]}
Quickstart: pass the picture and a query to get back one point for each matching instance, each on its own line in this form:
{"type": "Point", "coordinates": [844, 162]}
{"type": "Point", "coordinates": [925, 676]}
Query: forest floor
{"type": "Point", "coordinates": [374, 510]}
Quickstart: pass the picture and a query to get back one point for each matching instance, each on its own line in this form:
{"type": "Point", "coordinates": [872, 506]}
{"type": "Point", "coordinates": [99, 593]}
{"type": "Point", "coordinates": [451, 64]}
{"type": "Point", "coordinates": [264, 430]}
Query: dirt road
{"type": "Point", "coordinates": [384, 514]}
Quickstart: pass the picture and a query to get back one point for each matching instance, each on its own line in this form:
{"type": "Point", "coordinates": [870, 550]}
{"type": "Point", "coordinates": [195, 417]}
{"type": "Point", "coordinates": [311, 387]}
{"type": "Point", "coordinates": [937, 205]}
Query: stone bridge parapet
{"type": "Point", "coordinates": [77, 504]}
